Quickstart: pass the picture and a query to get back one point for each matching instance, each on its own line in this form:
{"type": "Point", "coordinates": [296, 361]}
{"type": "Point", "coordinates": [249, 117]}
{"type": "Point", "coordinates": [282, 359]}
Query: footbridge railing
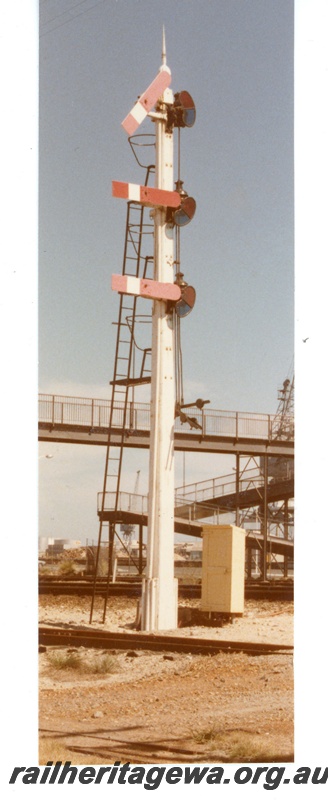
{"type": "Point", "coordinates": [201, 491]}
{"type": "Point", "coordinates": [93, 414]}
{"type": "Point", "coordinates": [134, 507]}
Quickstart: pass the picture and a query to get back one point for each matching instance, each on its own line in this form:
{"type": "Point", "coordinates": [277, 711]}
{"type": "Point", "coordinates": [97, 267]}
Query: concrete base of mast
{"type": "Point", "coordinates": [155, 615]}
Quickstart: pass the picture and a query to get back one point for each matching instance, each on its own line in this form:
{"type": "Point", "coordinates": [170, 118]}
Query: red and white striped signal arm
{"type": "Point", "coordinates": [146, 195]}
{"type": "Point", "coordinates": [144, 287]}
{"type": "Point", "coordinates": [146, 101]}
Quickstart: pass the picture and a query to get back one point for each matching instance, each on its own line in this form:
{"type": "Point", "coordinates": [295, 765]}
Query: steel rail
{"type": "Point", "coordinates": [263, 591]}
{"type": "Point", "coordinates": [154, 642]}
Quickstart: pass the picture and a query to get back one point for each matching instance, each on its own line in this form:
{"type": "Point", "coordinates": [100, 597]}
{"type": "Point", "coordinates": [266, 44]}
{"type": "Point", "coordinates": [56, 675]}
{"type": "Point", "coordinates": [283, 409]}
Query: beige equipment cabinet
{"type": "Point", "coordinates": [223, 569]}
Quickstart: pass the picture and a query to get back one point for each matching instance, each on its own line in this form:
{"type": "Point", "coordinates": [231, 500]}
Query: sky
{"type": "Point", "coordinates": [20, 297]}
{"type": "Point", "coordinates": [236, 60]}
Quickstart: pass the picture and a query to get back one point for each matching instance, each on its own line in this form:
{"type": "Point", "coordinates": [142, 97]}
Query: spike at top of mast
{"type": "Point", "coordinates": [163, 49]}
{"type": "Point", "coordinates": [149, 98]}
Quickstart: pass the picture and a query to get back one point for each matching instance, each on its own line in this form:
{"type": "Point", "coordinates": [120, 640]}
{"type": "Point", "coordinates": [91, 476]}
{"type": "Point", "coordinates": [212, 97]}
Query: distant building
{"type": "Point", "coordinates": [195, 552]}
{"type": "Point", "coordinates": [50, 545]}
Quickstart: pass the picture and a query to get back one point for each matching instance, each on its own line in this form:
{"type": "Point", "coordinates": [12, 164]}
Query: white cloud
{"type": "Point", "coordinates": [74, 389]}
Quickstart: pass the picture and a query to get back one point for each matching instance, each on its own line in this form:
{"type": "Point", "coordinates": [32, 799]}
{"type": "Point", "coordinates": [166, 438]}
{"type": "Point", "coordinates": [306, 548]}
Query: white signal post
{"type": "Point", "coordinates": [159, 607]}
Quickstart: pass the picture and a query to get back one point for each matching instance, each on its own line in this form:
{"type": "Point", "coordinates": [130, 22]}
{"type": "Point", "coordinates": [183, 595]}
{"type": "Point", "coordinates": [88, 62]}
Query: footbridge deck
{"type": "Point", "coordinates": [227, 492]}
{"type": "Point", "coordinates": [133, 510]}
{"type": "Point", "coordinates": [80, 420]}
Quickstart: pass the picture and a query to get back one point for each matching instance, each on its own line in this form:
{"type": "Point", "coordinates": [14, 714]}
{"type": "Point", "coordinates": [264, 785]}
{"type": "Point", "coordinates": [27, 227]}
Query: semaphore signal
{"type": "Point", "coordinates": [147, 101]}
{"type": "Point", "coordinates": [172, 299]}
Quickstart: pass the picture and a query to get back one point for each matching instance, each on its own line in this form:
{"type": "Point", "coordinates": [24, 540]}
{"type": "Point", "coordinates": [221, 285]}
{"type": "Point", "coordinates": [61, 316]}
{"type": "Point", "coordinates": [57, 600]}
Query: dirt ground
{"type": "Point", "coordinates": [145, 707]}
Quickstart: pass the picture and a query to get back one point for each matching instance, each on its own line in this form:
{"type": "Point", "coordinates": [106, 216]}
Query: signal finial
{"type": "Point", "coordinates": [163, 48]}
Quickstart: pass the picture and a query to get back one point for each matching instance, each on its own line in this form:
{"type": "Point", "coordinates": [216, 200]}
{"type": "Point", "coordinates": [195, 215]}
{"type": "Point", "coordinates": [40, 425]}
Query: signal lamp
{"type": "Point", "coordinates": [184, 110]}
{"type": "Point", "coordinates": [185, 212]}
{"type": "Point", "coordinates": [186, 302]}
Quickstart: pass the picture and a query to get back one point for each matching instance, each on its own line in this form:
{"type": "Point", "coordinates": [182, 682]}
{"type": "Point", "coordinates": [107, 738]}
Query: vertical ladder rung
{"type": "Point", "coordinates": [134, 263]}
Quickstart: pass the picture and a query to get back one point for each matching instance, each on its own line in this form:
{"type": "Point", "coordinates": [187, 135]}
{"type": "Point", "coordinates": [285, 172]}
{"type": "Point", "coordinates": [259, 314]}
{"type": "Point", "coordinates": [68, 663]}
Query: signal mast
{"type": "Point", "coordinates": [171, 298]}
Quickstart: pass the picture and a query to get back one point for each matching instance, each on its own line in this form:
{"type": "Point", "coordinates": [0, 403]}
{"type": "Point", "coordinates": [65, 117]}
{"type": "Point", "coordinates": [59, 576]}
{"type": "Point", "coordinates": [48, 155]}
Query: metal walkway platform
{"type": "Point", "coordinates": [77, 420]}
{"type": "Point", "coordinates": [188, 524]}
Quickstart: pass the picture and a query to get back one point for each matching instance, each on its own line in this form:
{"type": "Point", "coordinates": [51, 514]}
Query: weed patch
{"type": "Point", "coordinates": [205, 735]}
{"type": "Point", "coordinates": [96, 665]}
{"type": "Point", "coordinates": [103, 665]}
{"type": "Point", "coordinates": [243, 748]}
{"type": "Point", "coordinates": [59, 660]}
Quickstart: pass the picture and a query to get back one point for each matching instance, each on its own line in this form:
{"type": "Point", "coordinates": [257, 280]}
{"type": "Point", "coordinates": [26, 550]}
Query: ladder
{"type": "Point", "coordinates": [124, 376]}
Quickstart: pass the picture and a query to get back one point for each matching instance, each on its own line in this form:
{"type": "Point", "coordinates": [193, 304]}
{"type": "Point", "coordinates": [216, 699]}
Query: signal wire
{"type": "Point", "coordinates": [84, 11]}
{"type": "Point", "coordinates": [177, 321]}
{"type": "Point", "coordinates": [177, 338]}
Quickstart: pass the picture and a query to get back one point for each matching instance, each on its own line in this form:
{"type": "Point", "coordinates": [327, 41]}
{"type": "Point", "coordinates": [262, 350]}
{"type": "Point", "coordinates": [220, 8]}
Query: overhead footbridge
{"type": "Point", "coordinates": [133, 510]}
{"type": "Point", "coordinates": [80, 420]}
{"type": "Point", "coordinates": [228, 492]}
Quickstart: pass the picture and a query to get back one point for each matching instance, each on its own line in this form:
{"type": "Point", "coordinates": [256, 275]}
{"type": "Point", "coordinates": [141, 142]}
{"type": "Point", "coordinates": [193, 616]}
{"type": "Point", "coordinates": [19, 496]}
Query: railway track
{"type": "Point", "coordinates": [73, 637]}
{"type": "Point", "coordinates": [274, 590]}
